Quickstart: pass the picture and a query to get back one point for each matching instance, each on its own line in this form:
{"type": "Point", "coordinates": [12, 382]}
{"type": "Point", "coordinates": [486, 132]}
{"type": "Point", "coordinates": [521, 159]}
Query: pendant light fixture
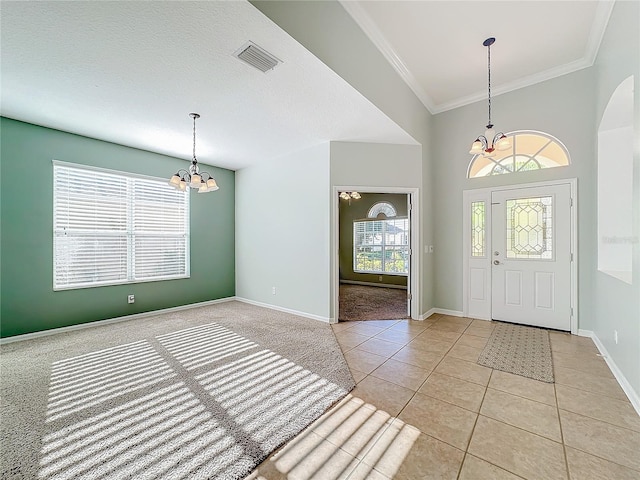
{"type": "Point", "coordinates": [193, 178]}
{"type": "Point", "coordinates": [349, 195]}
{"type": "Point", "coordinates": [491, 141]}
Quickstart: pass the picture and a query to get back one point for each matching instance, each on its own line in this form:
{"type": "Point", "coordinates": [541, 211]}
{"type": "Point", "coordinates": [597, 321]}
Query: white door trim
{"type": "Point", "coordinates": [414, 277]}
{"type": "Point", "coordinates": [467, 195]}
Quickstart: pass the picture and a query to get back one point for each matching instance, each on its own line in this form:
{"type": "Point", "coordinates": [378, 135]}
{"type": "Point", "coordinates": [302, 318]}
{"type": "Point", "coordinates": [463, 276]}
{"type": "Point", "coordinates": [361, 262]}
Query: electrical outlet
{"type": "Point", "coordinates": [379, 278]}
{"type": "Point", "coordinates": [615, 336]}
{"type": "Point", "coordinates": [131, 299]}
{"type": "Point", "coordinates": [273, 290]}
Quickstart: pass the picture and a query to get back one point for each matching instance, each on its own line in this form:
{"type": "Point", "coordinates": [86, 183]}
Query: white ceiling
{"type": "Point", "coordinates": [437, 45]}
{"type": "Point", "coordinates": [130, 73]}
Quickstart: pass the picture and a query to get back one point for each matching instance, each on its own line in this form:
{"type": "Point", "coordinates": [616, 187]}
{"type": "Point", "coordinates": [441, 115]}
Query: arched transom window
{"type": "Point", "coordinates": [382, 210]}
{"type": "Point", "coordinates": [528, 151]}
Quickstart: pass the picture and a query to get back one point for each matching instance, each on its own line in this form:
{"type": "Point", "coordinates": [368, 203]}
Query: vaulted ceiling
{"type": "Point", "coordinates": [436, 46]}
{"type": "Point", "coordinates": [130, 72]}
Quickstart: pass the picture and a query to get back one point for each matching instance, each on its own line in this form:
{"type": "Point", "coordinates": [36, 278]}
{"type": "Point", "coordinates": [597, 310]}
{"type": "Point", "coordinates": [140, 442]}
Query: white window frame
{"type": "Point", "coordinates": [130, 233]}
{"type": "Point", "coordinates": [382, 246]}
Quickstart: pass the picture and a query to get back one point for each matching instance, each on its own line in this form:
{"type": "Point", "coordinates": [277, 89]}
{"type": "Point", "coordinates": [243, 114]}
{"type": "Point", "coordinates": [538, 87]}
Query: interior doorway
{"type": "Point", "coordinates": [374, 235]}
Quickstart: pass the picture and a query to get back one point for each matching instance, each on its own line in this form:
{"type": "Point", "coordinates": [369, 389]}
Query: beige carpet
{"type": "Point", "coordinates": [521, 350]}
{"type": "Point", "coordinates": [360, 302]}
{"type": "Point", "coordinates": [205, 393]}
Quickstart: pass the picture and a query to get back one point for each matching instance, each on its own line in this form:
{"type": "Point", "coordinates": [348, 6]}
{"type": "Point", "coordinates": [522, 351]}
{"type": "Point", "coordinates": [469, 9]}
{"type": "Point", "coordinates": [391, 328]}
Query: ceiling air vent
{"type": "Point", "coordinates": [257, 57]}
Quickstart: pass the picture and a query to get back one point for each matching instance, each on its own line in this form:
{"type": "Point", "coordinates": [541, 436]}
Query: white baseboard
{"type": "Point", "coordinates": [96, 323]}
{"type": "Point", "coordinates": [441, 311]}
{"type": "Point", "coordinates": [632, 395]}
{"type": "Point", "coordinates": [451, 313]}
{"type": "Point", "coordinates": [286, 310]}
{"type": "Point", "coordinates": [372, 284]}
{"type": "Point", "coordinates": [426, 315]}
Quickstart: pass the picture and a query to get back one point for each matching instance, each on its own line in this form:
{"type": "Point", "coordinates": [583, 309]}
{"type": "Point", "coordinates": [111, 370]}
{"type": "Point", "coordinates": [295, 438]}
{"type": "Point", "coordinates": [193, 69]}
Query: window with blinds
{"type": "Point", "coordinates": [381, 246]}
{"type": "Point", "coordinates": [111, 228]}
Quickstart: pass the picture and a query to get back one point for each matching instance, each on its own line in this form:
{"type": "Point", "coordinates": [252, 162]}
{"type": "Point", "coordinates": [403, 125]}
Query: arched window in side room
{"type": "Point", "coordinates": [529, 150]}
{"type": "Point", "coordinates": [382, 210]}
{"type": "Point", "coordinates": [381, 242]}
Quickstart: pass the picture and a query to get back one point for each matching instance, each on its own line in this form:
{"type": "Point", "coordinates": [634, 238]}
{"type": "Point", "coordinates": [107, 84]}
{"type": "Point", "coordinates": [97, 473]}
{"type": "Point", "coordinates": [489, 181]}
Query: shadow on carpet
{"type": "Point", "coordinates": [360, 302]}
{"type": "Point", "coordinates": [206, 393]}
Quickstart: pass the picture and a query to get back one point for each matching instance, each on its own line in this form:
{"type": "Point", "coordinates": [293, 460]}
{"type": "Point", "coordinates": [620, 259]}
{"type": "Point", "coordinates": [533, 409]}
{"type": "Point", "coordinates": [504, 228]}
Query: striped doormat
{"type": "Point", "coordinates": [521, 350]}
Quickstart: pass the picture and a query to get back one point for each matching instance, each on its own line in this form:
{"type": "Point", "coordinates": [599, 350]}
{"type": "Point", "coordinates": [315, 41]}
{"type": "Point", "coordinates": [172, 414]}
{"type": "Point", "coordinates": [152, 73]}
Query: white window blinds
{"type": "Point", "coordinates": [381, 246]}
{"type": "Point", "coordinates": [114, 228]}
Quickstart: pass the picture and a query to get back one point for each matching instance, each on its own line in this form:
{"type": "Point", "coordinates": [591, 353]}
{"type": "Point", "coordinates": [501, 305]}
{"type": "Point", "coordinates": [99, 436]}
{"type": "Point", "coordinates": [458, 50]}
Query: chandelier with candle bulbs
{"type": "Point", "coordinates": [193, 177]}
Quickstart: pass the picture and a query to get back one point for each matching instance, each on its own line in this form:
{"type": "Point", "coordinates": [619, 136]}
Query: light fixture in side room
{"type": "Point", "coordinates": [193, 178]}
{"type": "Point", "coordinates": [491, 141]}
{"type": "Point", "coordinates": [349, 196]}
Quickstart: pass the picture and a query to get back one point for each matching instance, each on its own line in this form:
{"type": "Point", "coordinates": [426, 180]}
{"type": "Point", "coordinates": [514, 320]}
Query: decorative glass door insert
{"type": "Point", "coordinates": [529, 228]}
{"type": "Point", "coordinates": [478, 235]}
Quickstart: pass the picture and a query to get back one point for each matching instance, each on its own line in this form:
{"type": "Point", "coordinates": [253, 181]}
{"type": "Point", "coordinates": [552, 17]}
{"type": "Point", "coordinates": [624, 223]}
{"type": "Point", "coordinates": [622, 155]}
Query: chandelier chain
{"type": "Point", "coordinates": [489, 80]}
{"type": "Point", "coordinates": [491, 141]}
{"type": "Point", "coordinates": [194, 138]}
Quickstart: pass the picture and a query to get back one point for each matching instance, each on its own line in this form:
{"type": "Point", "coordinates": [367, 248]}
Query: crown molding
{"type": "Point", "coordinates": [598, 29]}
{"type": "Point", "coordinates": [515, 85]}
{"type": "Point", "coordinates": [370, 29]}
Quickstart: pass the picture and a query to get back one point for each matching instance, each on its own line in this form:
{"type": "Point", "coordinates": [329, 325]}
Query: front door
{"type": "Point", "coordinates": [531, 256]}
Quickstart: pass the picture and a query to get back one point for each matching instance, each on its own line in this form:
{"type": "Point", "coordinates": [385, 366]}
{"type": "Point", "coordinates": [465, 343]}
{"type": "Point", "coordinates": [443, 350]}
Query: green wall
{"type": "Point", "coordinates": [357, 210]}
{"type": "Point", "coordinates": [28, 302]}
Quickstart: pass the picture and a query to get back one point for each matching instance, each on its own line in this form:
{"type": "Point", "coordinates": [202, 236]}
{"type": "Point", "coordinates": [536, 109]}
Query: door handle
{"type": "Point", "coordinates": [496, 262]}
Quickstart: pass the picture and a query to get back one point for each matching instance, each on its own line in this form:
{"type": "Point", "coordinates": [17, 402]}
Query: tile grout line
{"type": "Point", "coordinates": [504, 423]}
{"type": "Point", "coordinates": [416, 391]}
{"type": "Point", "coordinates": [386, 426]}
{"type": "Point", "coordinates": [517, 395]}
{"type": "Point", "coordinates": [591, 392]}
{"type": "Point", "coordinates": [601, 421]}
{"type": "Point", "coordinates": [421, 385]}
{"type": "Point", "coordinates": [394, 418]}
{"type": "Point", "coordinates": [466, 450]}
{"type": "Point", "coordinates": [519, 428]}
{"type": "Point", "coordinates": [486, 387]}
{"type": "Point", "coordinates": [564, 445]}
{"type": "Point", "coordinates": [604, 459]}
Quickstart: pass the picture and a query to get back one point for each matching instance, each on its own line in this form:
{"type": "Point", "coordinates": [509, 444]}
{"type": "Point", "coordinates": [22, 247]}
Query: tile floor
{"type": "Point", "coordinates": [424, 409]}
